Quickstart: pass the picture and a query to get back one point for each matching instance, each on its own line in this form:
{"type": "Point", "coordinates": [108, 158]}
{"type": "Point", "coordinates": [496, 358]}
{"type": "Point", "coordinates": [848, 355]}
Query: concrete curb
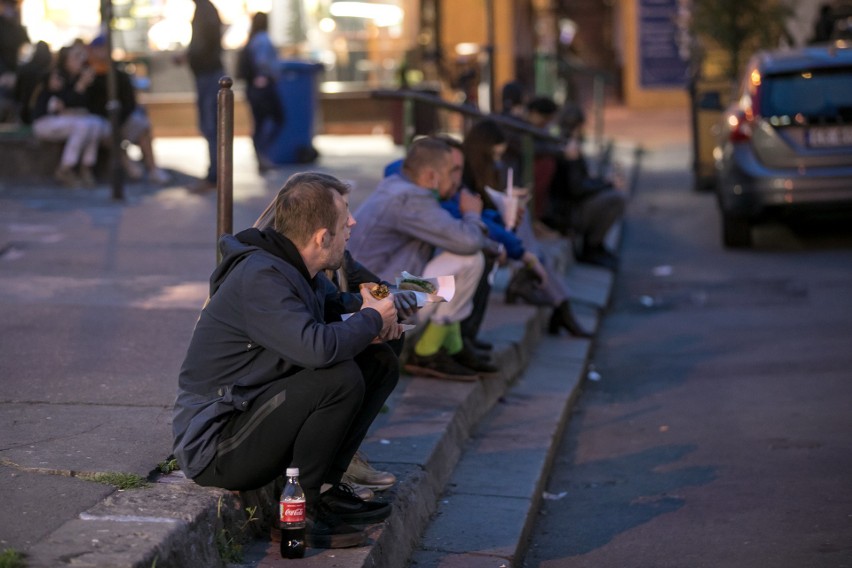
{"type": "Point", "coordinates": [488, 509]}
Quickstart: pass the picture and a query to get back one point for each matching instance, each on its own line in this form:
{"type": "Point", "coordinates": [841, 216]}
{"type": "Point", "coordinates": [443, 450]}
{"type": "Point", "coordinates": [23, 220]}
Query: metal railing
{"type": "Point", "coordinates": [528, 132]}
{"type": "Point", "coordinates": [225, 141]}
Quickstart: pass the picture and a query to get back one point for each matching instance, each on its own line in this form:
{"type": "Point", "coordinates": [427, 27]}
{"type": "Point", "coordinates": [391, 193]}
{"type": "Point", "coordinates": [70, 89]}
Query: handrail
{"type": "Point", "coordinates": [436, 101]}
{"type": "Point", "coordinates": [527, 131]}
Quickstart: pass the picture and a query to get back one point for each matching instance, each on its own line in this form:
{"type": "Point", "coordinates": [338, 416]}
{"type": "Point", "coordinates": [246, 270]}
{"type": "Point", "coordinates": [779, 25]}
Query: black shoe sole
{"type": "Point", "coordinates": [433, 374]}
{"type": "Point", "coordinates": [347, 540]}
{"type": "Point", "coordinates": [367, 518]}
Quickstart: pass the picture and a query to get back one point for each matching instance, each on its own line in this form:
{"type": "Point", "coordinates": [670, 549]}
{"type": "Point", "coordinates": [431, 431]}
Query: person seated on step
{"type": "Point", "coordinates": [343, 298]}
{"type": "Point", "coordinates": [268, 384]}
{"type": "Point", "coordinates": [492, 253]}
{"type": "Point", "coordinates": [534, 282]}
{"type": "Point", "coordinates": [579, 205]}
{"type": "Point", "coordinates": [402, 227]}
{"type": "Point", "coordinates": [135, 126]}
{"type": "Point", "coordinates": [60, 113]}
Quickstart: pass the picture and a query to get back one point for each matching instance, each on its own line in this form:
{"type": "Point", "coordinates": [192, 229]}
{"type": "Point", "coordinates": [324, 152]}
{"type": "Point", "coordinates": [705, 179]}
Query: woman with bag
{"type": "Point", "coordinates": [258, 66]}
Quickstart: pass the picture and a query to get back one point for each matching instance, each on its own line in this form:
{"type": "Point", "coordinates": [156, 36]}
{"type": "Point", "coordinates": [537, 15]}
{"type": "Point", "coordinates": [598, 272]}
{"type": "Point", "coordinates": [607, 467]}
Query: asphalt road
{"type": "Point", "coordinates": [719, 432]}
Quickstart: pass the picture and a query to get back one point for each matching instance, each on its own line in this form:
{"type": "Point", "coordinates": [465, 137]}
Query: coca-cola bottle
{"type": "Point", "coordinates": [291, 513]}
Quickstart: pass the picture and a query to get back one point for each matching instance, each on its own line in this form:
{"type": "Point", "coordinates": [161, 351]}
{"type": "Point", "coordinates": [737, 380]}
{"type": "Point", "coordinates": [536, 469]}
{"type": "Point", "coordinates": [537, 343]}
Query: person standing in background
{"type": "Point", "coordinates": [258, 68]}
{"type": "Point", "coordinates": [204, 56]}
{"type": "Point", "coordinates": [12, 37]}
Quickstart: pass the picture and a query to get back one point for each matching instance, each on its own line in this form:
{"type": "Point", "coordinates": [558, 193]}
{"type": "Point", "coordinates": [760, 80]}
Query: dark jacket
{"type": "Point", "coordinates": [70, 97]}
{"type": "Point", "coordinates": [263, 322]}
{"type": "Point", "coordinates": [205, 47]}
{"type": "Point", "coordinates": [98, 94]}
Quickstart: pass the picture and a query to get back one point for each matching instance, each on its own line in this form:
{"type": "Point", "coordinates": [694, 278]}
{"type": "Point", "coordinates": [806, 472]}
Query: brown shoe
{"type": "Point", "coordinates": [66, 176]}
{"type": "Point", "coordinates": [87, 178]}
{"type": "Point", "coordinates": [439, 366]}
{"type": "Point", "coordinates": [361, 474]}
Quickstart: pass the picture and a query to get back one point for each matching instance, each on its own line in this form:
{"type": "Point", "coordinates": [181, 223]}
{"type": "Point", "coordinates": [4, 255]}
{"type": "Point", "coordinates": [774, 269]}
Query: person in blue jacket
{"type": "Point", "coordinates": [534, 283]}
{"type": "Point", "coordinates": [258, 67]}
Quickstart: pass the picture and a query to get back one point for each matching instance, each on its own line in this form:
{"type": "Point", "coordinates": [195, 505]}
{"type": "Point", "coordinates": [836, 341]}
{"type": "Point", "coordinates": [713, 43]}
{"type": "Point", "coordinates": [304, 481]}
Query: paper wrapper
{"type": "Point", "coordinates": [445, 288]}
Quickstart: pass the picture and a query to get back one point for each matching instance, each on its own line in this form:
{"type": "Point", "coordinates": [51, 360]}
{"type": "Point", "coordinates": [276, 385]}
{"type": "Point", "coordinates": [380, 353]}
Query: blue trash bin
{"type": "Point", "coordinates": [297, 88]}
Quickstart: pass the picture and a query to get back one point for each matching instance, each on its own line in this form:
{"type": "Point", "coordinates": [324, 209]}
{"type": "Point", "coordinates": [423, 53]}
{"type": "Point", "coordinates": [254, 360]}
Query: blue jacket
{"type": "Point", "coordinates": [492, 219]}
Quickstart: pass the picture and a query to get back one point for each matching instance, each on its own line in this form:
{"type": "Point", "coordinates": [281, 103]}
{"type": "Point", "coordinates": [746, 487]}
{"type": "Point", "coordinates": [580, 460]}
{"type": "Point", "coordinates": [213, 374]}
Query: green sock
{"type": "Point", "coordinates": [431, 340]}
{"type": "Point", "coordinates": [453, 342]}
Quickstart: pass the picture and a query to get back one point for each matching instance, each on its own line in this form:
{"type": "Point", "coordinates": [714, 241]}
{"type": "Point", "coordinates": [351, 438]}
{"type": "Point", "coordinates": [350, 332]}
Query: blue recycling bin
{"type": "Point", "coordinates": [297, 88]}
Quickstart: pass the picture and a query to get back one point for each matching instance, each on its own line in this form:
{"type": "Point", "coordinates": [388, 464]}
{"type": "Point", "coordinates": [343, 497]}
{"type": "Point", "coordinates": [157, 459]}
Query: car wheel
{"type": "Point", "coordinates": [736, 230]}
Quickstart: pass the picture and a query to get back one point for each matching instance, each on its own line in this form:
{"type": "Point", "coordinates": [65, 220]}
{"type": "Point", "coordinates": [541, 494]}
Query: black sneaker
{"type": "Point", "coordinates": [599, 256]}
{"type": "Point", "coordinates": [342, 501]}
{"type": "Point", "coordinates": [481, 345]}
{"type": "Point", "coordinates": [439, 366]}
{"type": "Point", "coordinates": [468, 358]}
{"type": "Point", "coordinates": [324, 529]}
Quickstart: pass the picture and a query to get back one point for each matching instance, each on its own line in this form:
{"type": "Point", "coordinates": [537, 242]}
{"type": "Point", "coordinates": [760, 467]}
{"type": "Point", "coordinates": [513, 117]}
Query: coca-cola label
{"type": "Point", "coordinates": [292, 511]}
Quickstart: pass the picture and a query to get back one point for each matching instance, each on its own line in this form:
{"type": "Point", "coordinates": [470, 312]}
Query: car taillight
{"type": "Point", "coordinates": [739, 125]}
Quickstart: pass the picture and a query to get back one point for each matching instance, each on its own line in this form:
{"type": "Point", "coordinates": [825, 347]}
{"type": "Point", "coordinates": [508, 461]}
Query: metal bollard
{"type": "Point", "coordinates": [224, 161]}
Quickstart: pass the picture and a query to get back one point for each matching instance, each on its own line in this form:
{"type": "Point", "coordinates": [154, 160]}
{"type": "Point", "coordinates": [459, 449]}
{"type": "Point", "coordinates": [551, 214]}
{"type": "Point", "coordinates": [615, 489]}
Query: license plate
{"type": "Point", "coordinates": [829, 136]}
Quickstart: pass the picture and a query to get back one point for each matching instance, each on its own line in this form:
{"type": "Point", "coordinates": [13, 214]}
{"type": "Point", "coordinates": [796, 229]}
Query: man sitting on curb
{"type": "Point", "coordinates": [345, 297]}
{"type": "Point", "coordinates": [267, 384]}
{"type": "Point", "coordinates": [400, 227]}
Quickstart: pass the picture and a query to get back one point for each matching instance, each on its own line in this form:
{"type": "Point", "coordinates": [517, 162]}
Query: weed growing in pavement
{"type": "Point", "coordinates": [229, 545]}
{"type": "Point", "coordinates": [121, 481]}
{"type": "Point", "coordinates": [11, 558]}
{"type": "Point", "coordinates": [168, 465]}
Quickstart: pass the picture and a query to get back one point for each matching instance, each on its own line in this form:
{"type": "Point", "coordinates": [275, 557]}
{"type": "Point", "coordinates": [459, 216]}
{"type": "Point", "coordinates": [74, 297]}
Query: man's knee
{"type": "Point", "coordinates": [343, 379]}
{"type": "Point", "coordinates": [473, 266]}
{"type": "Point", "coordinates": [382, 364]}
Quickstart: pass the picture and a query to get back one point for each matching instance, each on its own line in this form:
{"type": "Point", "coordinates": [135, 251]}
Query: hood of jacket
{"type": "Point", "coordinates": [235, 248]}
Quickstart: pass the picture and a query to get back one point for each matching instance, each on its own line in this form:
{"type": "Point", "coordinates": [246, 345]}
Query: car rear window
{"type": "Point", "coordinates": [821, 96]}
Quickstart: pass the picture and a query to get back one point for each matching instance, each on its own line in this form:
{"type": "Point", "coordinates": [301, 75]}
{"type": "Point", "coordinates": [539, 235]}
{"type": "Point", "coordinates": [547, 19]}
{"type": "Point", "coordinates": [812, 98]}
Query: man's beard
{"type": "Point", "coordinates": [333, 262]}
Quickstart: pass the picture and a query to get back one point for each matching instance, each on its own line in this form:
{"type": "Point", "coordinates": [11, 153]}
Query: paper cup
{"type": "Point", "coordinates": [510, 211]}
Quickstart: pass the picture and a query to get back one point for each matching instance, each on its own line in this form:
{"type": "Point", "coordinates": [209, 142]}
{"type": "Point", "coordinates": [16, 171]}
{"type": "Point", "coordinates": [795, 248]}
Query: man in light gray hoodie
{"type": "Point", "coordinates": [402, 226]}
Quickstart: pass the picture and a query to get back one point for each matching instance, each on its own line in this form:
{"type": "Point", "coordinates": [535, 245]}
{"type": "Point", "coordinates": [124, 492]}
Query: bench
{"type": "Point", "coordinates": [25, 160]}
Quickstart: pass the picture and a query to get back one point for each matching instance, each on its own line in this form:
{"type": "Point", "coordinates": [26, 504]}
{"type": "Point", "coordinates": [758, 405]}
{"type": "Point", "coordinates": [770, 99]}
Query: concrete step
{"type": "Point", "coordinates": [440, 439]}
{"type": "Point", "coordinates": [489, 506]}
{"type": "Point", "coordinates": [430, 438]}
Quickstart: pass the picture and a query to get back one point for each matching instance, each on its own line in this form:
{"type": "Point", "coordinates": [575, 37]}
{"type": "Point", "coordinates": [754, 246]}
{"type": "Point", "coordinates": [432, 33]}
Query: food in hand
{"type": "Point", "coordinates": [410, 282]}
{"type": "Point", "coordinates": [379, 291]}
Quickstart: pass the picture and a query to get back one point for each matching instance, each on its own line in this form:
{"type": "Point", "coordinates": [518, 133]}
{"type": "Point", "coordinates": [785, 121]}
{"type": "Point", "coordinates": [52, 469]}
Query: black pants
{"type": "Point", "coordinates": [314, 420]}
{"type": "Point", "coordinates": [471, 324]}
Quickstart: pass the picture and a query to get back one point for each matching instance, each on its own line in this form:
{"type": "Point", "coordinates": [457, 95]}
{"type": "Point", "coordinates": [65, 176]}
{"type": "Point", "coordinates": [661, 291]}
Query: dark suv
{"type": "Point", "coordinates": [788, 138]}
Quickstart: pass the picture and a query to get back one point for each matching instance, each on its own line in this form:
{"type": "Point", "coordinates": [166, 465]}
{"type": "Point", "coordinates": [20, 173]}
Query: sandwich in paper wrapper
{"type": "Point", "coordinates": [435, 289]}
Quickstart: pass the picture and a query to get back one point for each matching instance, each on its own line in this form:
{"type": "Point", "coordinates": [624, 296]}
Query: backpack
{"type": "Point", "coordinates": [245, 66]}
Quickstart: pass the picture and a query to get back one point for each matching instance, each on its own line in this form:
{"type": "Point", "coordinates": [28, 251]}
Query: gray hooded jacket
{"type": "Point", "coordinates": [400, 226]}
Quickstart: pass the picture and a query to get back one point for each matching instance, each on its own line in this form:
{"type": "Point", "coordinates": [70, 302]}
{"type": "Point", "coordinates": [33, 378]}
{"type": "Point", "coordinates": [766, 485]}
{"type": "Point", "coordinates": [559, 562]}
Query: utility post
{"type": "Point", "coordinates": [489, 50]}
{"type": "Point", "coordinates": [113, 107]}
{"type": "Point", "coordinates": [224, 161]}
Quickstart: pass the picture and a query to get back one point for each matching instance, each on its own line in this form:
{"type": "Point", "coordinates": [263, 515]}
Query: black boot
{"type": "Point", "coordinates": [525, 285]}
{"type": "Point", "coordinates": [563, 317]}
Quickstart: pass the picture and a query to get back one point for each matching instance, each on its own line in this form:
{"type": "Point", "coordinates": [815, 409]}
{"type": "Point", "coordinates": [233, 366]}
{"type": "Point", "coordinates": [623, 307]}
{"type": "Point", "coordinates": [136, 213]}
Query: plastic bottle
{"type": "Point", "coordinates": [291, 513]}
